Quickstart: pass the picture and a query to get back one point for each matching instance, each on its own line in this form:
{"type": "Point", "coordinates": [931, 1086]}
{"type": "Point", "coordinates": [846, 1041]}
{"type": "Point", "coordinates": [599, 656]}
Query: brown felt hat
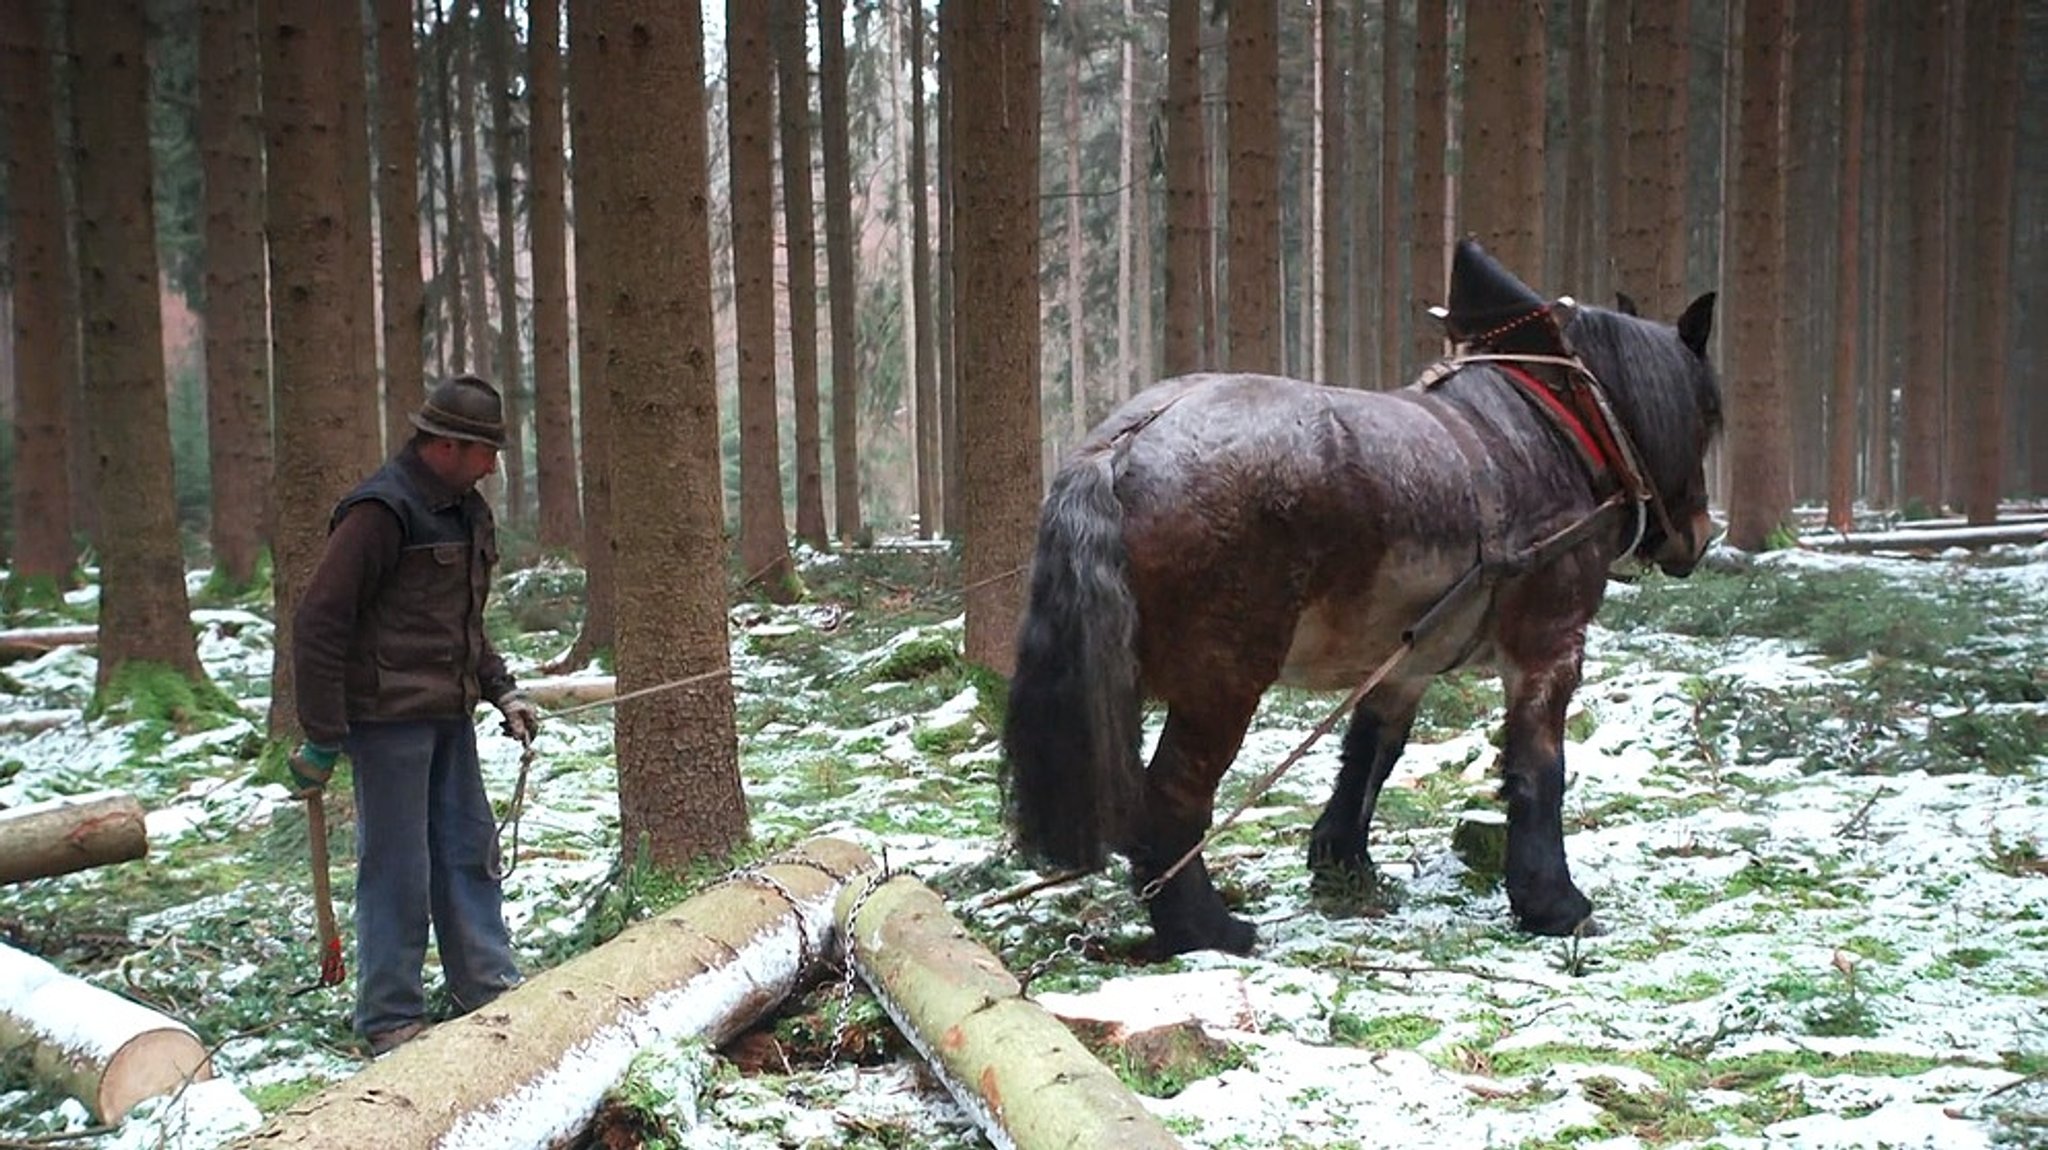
{"type": "Point", "coordinates": [464, 407]}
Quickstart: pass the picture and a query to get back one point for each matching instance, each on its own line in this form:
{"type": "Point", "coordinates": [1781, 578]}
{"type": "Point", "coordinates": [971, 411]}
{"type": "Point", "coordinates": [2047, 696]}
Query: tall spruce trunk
{"type": "Point", "coordinates": [45, 310]}
{"type": "Point", "coordinates": [839, 261]}
{"type": "Point", "coordinates": [145, 617]}
{"type": "Point", "coordinates": [398, 205]}
{"type": "Point", "coordinates": [800, 232]}
{"type": "Point", "coordinates": [554, 429]}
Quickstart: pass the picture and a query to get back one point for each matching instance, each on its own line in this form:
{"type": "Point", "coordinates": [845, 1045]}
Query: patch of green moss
{"type": "Point", "coordinates": [915, 658]}
{"type": "Point", "coordinates": [153, 692]}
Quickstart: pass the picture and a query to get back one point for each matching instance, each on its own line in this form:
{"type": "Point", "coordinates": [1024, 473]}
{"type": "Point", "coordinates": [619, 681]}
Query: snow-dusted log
{"type": "Point", "coordinates": [93, 1044]}
{"type": "Point", "coordinates": [30, 722]}
{"type": "Point", "coordinates": [28, 642]}
{"type": "Point", "coordinates": [1020, 1072]}
{"type": "Point", "coordinates": [1930, 538]}
{"type": "Point", "coordinates": [61, 835]}
{"type": "Point", "coordinates": [530, 1068]}
{"type": "Point", "coordinates": [554, 692]}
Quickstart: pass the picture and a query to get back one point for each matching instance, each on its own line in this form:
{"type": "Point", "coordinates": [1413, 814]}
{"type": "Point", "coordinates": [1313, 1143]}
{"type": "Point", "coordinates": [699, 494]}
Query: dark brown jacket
{"type": "Point", "coordinates": [391, 625]}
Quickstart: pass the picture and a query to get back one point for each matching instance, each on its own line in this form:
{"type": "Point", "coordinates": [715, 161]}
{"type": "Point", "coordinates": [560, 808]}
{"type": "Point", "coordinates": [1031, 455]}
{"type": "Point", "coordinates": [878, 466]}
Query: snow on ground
{"type": "Point", "coordinates": [1797, 953]}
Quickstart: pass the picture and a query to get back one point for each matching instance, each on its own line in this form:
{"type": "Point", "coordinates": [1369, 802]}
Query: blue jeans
{"type": "Point", "coordinates": [426, 851]}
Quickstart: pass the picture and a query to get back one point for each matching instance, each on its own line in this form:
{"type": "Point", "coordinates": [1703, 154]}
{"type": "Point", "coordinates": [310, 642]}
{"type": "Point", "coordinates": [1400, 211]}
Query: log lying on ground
{"type": "Point", "coordinates": [531, 1068]}
{"type": "Point", "coordinates": [1021, 1073]}
{"type": "Point", "coordinates": [1930, 538]}
{"type": "Point", "coordinates": [29, 642]}
{"type": "Point", "coordinates": [30, 722]}
{"type": "Point", "coordinates": [61, 835]}
{"type": "Point", "coordinates": [554, 692]}
{"type": "Point", "coordinates": [93, 1044]}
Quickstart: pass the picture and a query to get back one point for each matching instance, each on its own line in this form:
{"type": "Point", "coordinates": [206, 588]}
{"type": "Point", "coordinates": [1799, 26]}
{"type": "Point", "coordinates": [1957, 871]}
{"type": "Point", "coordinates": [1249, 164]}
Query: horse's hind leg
{"type": "Point", "coordinates": [1337, 852]}
{"type": "Point", "coordinates": [1539, 881]}
{"type": "Point", "coordinates": [1180, 797]}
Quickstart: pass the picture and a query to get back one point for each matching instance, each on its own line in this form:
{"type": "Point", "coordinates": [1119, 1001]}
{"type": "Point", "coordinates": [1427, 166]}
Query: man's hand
{"type": "Point", "coordinates": [522, 718]}
{"type": "Point", "coordinates": [310, 768]}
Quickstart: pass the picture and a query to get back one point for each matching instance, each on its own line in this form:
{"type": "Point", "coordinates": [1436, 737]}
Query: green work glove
{"type": "Point", "coordinates": [310, 768]}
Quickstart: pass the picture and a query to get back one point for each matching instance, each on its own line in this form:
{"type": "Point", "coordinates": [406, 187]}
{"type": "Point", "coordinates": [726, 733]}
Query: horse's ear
{"type": "Point", "coordinates": [1625, 303]}
{"type": "Point", "coordinates": [1697, 324]}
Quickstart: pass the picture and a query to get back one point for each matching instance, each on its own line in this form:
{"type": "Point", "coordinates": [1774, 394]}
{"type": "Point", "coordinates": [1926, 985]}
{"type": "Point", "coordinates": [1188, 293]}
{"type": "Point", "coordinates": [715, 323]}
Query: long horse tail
{"type": "Point", "coordinates": [1074, 784]}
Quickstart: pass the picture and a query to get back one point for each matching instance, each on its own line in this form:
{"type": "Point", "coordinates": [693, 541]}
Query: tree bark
{"type": "Point", "coordinates": [1993, 131]}
{"type": "Point", "coordinates": [1071, 282]}
{"type": "Point", "coordinates": [100, 1048]}
{"type": "Point", "coordinates": [750, 123]}
{"type": "Point", "coordinates": [536, 1064]}
{"type": "Point", "coordinates": [143, 605]}
{"type": "Point", "coordinates": [398, 209]}
{"type": "Point", "coordinates": [1926, 378]}
{"type": "Point", "coordinates": [995, 180]}
{"type": "Point", "coordinates": [1253, 98]}
{"type": "Point", "coordinates": [1843, 425]}
{"type": "Point", "coordinates": [800, 235]}
{"type": "Point", "coordinates": [554, 427]}
{"type": "Point", "coordinates": [1018, 1071]}
{"type": "Point", "coordinates": [600, 559]}
{"type": "Point", "coordinates": [679, 781]}
{"type": "Point", "coordinates": [1501, 196]}
{"type": "Point", "coordinates": [839, 260]}
{"type": "Point", "coordinates": [451, 284]}
{"type": "Point", "coordinates": [237, 310]}
{"type": "Point", "coordinates": [469, 193]}
{"type": "Point", "coordinates": [1338, 189]}
{"type": "Point", "coordinates": [1184, 159]}
{"type": "Point", "coordinates": [77, 832]}
{"type": "Point", "coordinates": [359, 268]}
{"type": "Point", "coordinates": [1759, 430]}
{"type": "Point", "coordinates": [930, 461]}
{"type": "Point", "coordinates": [1395, 304]}
{"type": "Point", "coordinates": [495, 30]}
{"type": "Point", "coordinates": [45, 307]}
{"type": "Point", "coordinates": [950, 501]}
{"type": "Point", "coordinates": [1428, 256]}
{"type": "Point", "coordinates": [316, 416]}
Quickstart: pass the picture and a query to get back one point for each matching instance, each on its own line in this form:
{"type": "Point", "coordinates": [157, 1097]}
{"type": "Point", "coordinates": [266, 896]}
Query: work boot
{"type": "Point", "coordinates": [385, 1041]}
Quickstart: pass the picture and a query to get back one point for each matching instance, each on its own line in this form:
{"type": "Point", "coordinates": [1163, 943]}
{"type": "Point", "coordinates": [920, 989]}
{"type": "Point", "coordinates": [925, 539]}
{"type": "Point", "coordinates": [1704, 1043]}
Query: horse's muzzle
{"type": "Point", "coordinates": [1681, 553]}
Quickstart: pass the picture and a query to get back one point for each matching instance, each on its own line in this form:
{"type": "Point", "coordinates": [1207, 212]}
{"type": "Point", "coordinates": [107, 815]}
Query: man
{"type": "Point", "coordinates": [390, 659]}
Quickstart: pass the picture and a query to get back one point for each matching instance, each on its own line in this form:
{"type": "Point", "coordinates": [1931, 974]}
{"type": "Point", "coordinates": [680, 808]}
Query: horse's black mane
{"type": "Point", "coordinates": [1667, 397]}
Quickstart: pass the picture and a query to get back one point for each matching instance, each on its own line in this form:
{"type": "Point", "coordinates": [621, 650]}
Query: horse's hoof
{"type": "Point", "coordinates": [1566, 918]}
{"type": "Point", "coordinates": [1233, 936]}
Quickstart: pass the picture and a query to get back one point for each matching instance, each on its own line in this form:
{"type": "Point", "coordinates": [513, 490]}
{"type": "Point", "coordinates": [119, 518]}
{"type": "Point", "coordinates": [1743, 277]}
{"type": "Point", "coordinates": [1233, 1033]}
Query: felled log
{"type": "Point", "coordinates": [28, 642]}
{"type": "Point", "coordinates": [30, 722]}
{"type": "Point", "coordinates": [61, 835]}
{"type": "Point", "coordinates": [1929, 538]}
{"type": "Point", "coordinates": [531, 1068]}
{"type": "Point", "coordinates": [1023, 1075]}
{"type": "Point", "coordinates": [100, 1048]}
{"type": "Point", "coordinates": [567, 690]}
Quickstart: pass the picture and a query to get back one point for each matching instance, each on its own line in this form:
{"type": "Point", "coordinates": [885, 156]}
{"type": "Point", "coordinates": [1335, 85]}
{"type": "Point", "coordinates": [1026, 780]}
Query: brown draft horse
{"type": "Point", "coordinates": [1220, 533]}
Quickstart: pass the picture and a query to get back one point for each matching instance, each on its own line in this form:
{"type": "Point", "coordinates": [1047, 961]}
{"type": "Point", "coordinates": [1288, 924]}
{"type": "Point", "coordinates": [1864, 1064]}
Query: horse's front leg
{"type": "Point", "coordinates": [1539, 881]}
{"type": "Point", "coordinates": [1337, 847]}
{"type": "Point", "coordinates": [1196, 747]}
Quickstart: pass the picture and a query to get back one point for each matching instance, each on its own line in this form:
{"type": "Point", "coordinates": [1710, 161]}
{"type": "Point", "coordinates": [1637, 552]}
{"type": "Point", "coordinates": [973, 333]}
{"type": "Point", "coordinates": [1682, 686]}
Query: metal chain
{"type": "Point", "coordinates": [840, 1023]}
{"type": "Point", "coordinates": [1076, 944]}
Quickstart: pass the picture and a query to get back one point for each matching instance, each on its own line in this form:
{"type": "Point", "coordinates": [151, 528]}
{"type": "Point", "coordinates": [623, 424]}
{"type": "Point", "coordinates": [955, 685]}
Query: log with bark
{"type": "Point", "coordinates": [33, 722]}
{"type": "Point", "coordinates": [100, 1048]}
{"type": "Point", "coordinates": [30, 642]}
{"type": "Point", "coordinates": [531, 1068]}
{"type": "Point", "coordinates": [555, 692]}
{"type": "Point", "coordinates": [1019, 1071]}
{"type": "Point", "coordinates": [61, 835]}
{"type": "Point", "coordinates": [1930, 538]}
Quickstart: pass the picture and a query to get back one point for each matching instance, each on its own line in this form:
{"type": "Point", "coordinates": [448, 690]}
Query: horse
{"type": "Point", "coordinates": [1220, 533]}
